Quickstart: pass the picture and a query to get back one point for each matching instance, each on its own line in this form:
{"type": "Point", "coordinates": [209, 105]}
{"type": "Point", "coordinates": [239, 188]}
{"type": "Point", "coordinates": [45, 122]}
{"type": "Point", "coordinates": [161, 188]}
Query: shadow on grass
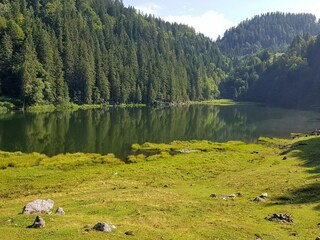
{"type": "Point", "coordinates": [309, 153]}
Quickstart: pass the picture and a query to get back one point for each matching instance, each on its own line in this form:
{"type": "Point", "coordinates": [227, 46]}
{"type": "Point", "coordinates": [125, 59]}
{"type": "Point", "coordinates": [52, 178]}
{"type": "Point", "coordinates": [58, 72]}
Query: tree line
{"type": "Point", "coordinates": [290, 79]}
{"type": "Point", "coordinates": [101, 52]}
{"type": "Point", "coordinates": [98, 51]}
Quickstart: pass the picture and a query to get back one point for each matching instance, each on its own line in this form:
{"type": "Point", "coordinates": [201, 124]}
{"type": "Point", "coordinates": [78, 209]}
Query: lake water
{"type": "Point", "coordinates": [114, 130]}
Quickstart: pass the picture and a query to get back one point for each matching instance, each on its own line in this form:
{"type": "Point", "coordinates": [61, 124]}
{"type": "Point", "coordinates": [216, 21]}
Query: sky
{"type": "Point", "coordinates": [214, 17]}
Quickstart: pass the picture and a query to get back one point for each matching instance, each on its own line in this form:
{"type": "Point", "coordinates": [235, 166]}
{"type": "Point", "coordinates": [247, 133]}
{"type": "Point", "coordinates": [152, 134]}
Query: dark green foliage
{"type": "Point", "coordinates": [290, 79]}
{"type": "Point", "coordinates": [98, 51]}
{"type": "Point", "coordinates": [271, 31]}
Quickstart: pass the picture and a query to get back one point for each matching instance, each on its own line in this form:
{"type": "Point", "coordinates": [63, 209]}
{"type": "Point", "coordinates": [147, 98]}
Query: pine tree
{"type": "Point", "coordinates": [32, 85]}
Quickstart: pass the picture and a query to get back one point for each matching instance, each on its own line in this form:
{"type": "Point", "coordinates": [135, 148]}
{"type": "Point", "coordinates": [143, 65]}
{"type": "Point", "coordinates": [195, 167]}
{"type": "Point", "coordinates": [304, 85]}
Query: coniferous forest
{"type": "Point", "coordinates": [99, 52]}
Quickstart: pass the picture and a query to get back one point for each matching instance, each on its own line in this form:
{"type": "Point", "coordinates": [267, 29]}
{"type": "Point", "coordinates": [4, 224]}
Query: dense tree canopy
{"type": "Point", "coordinates": [271, 31]}
{"type": "Point", "coordinates": [98, 51]}
{"type": "Point", "coordinates": [290, 79]}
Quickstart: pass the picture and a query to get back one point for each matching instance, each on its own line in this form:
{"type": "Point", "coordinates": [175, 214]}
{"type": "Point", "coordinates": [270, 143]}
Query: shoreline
{"type": "Point", "coordinates": [75, 107]}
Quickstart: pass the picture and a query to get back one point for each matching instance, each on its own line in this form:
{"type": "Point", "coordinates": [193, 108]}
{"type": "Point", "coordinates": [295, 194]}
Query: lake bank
{"type": "Point", "coordinates": [167, 194]}
{"type": "Point", "coordinates": [9, 105]}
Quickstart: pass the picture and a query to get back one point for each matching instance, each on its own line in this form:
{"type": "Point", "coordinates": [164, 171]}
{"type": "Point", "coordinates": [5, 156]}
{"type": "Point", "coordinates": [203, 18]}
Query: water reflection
{"type": "Point", "coordinates": [115, 130]}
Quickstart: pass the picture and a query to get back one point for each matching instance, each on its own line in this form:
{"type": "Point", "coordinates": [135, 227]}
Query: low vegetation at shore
{"type": "Point", "coordinates": [181, 190]}
{"type": "Point", "coordinates": [7, 106]}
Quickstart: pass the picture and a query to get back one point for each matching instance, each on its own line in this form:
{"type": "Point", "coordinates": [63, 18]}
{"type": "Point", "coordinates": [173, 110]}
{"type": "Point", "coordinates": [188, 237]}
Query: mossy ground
{"type": "Point", "coordinates": [165, 192]}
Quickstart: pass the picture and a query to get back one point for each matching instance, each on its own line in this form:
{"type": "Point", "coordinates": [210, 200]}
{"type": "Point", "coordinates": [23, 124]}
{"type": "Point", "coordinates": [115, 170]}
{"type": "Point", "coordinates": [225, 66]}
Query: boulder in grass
{"type": "Point", "coordinates": [60, 211]}
{"type": "Point", "coordinates": [103, 227]}
{"type": "Point", "coordinates": [281, 218]}
{"type": "Point", "coordinates": [38, 223]}
{"type": "Point", "coordinates": [259, 199]}
{"type": "Point", "coordinates": [264, 195]}
{"type": "Point", "coordinates": [38, 206]}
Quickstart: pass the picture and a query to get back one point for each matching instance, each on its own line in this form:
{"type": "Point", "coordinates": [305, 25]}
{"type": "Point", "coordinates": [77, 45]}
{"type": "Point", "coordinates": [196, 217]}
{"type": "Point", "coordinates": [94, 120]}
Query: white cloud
{"type": "Point", "coordinates": [148, 8]}
{"type": "Point", "coordinates": [211, 23]}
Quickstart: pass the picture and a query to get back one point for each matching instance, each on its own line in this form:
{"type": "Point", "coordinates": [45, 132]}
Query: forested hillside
{"type": "Point", "coordinates": [290, 79]}
{"type": "Point", "coordinates": [98, 51]}
{"type": "Point", "coordinates": [271, 31]}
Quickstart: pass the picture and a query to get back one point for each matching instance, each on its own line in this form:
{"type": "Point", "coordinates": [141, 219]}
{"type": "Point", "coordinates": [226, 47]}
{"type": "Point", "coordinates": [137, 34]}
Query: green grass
{"type": "Point", "coordinates": [75, 107]}
{"type": "Point", "coordinates": [218, 102]}
{"type": "Point", "coordinates": [165, 191]}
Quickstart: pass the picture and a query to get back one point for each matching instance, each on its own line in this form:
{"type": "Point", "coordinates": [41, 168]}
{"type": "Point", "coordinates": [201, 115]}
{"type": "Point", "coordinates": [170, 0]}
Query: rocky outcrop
{"type": "Point", "coordinates": [38, 206]}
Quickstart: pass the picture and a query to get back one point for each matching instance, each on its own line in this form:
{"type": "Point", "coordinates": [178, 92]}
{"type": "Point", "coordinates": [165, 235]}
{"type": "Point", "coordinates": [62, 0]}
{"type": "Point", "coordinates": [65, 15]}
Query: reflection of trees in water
{"type": "Point", "coordinates": [45, 132]}
{"type": "Point", "coordinates": [237, 127]}
{"type": "Point", "coordinates": [113, 130]}
{"type": "Point", "coordinates": [116, 129]}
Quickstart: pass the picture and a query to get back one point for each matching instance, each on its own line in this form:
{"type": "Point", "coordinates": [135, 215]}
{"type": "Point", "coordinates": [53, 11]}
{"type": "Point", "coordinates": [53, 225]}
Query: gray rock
{"type": "Point", "coordinates": [264, 195]}
{"type": "Point", "coordinates": [103, 227]}
{"type": "Point", "coordinates": [318, 238]}
{"type": "Point", "coordinates": [129, 233]}
{"type": "Point", "coordinates": [281, 218]}
{"type": "Point", "coordinates": [239, 194]}
{"type": "Point", "coordinates": [232, 196]}
{"type": "Point", "coordinates": [259, 199]}
{"type": "Point", "coordinates": [38, 206]}
{"type": "Point", "coordinates": [213, 195]}
{"type": "Point", "coordinates": [258, 237]}
{"type": "Point", "coordinates": [38, 223]}
{"type": "Point", "coordinates": [60, 211]}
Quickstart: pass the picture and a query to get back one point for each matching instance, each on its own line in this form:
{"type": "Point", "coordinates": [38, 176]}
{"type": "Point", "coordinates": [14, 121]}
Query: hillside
{"type": "Point", "coordinates": [290, 79]}
{"type": "Point", "coordinates": [271, 31]}
{"type": "Point", "coordinates": [98, 51]}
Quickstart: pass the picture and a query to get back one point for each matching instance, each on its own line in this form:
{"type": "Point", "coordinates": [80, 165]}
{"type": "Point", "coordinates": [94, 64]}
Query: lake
{"type": "Point", "coordinates": [114, 130]}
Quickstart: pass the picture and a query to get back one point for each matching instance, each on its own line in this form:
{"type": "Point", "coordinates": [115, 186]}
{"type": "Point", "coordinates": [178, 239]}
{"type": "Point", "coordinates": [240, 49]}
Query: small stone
{"type": "Point", "coordinates": [60, 211]}
{"type": "Point", "coordinates": [293, 234]}
{"type": "Point", "coordinates": [103, 227]}
{"type": "Point", "coordinates": [165, 186]}
{"type": "Point", "coordinates": [129, 233]}
{"type": "Point", "coordinates": [264, 195]}
{"type": "Point", "coordinates": [318, 238]}
{"type": "Point", "coordinates": [258, 237]}
{"type": "Point", "coordinates": [239, 194]}
{"type": "Point", "coordinates": [213, 195]}
{"type": "Point", "coordinates": [38, 223]}
{"type": "Point", "coordinates": [259, 199]}
{"type": "Point", "coordinates": [233, 196]}
{"type": "Point", "coordinates": [281, 218]}
{"type": "Point", "coordinates": [284, 158]}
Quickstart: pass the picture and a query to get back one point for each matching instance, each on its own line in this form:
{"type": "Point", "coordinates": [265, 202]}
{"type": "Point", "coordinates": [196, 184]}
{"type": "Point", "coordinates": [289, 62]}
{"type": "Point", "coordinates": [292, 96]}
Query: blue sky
{"type": "Point", "coordinates": [213, 17]}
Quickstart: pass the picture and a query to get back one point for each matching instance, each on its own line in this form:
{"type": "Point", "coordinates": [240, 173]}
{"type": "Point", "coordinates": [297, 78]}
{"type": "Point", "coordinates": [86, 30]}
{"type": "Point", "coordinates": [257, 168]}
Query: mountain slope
{"type": "Point", "coordinates": [288, 80]}
{"type": "Point", "coordinates": [271, 31]}
{"type": "Point", "coordinates": [98, 51]}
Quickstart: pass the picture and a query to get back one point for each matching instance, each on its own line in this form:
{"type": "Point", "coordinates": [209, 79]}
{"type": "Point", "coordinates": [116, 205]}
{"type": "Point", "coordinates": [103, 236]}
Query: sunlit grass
{"type": "Point", "coordinates": [165, 191]}
{"type": "Point", "coordinates": [218, 102]}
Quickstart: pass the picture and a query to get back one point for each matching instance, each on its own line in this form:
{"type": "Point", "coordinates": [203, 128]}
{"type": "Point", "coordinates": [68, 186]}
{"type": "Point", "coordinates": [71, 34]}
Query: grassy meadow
{"type": "Point", "coordinates": [163, 191]}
